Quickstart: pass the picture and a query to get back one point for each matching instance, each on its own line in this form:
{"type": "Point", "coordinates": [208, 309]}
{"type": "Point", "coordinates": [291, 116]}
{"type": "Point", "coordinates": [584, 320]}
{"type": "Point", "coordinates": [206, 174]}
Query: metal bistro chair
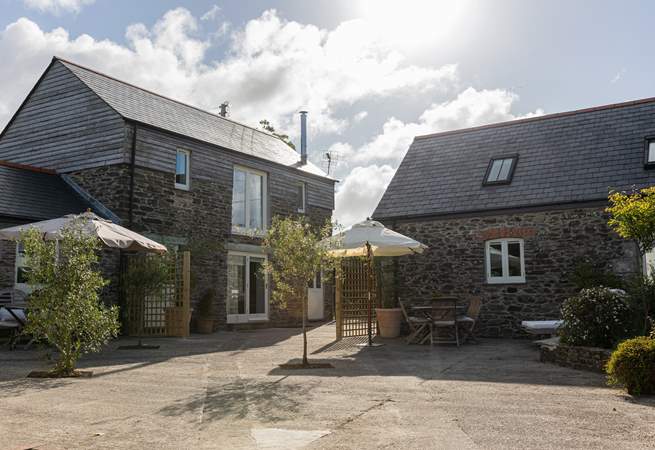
{"type": "Point", "coordinates": [444, 319]}
{"type": "Point", "coordinates": [13, 302]}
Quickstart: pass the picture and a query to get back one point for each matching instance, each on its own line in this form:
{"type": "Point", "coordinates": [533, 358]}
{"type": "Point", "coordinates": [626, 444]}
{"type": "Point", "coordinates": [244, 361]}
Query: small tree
{"type": "Point", "coordinates": [267, 126]}
{"type": "Point", "coordinates": [633, 217]}
{"type": "Point", "coordinates": [65, 307]}
{"type": "Point", "coordinates": [295, 255]}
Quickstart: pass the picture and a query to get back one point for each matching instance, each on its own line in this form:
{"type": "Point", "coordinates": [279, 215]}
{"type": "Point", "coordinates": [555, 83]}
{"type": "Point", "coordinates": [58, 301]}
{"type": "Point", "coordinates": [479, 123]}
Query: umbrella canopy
{"type": "Point", "coordinates": [112, 235]}
{"type": "Point", "coordinates": [382, 241]}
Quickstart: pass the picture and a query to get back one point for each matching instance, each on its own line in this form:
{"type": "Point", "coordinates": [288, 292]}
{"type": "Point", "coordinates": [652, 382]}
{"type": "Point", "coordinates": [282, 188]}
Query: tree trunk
{"type": "Point", "coordinates": [305, 362]}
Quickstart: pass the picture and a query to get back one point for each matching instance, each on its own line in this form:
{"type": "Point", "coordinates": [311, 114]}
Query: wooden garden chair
{"type": "Point", "coordinates": [468, 320]}
{"type": "Point", "coordinates": [419, 326]}
{"type": "Point", "coordinates": [444, 327]}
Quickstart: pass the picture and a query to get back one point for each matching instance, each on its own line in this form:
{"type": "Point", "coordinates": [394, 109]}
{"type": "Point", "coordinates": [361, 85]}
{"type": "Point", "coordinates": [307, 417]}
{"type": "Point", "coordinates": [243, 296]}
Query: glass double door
{"type": "Point", "coordinates": [247, 289]}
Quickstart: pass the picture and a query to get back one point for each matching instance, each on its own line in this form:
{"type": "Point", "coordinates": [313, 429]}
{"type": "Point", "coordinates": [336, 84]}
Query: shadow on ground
{"type": "Point", "coordinates": [238, 399]}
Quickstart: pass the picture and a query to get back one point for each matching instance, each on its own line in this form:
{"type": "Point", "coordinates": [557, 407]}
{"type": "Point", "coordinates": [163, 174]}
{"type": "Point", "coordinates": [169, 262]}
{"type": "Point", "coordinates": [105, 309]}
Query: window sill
{"type": "Point", "coordinates": [506, 281]}
{"type": "Point", "coordinates": [248, 232]}
{"type": "Point", "coordinates": [182, 187]}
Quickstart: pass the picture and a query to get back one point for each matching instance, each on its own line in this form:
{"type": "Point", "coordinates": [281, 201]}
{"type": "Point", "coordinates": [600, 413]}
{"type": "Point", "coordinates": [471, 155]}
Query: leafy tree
{"type": "Point", "coordinates": [633, 216]}
{"type": "Point", "coordinates": [65, 307]}
{"type": "Point", "coordinates": [266, 126]}
{"type": "Point", "coordinates": [295, 255]}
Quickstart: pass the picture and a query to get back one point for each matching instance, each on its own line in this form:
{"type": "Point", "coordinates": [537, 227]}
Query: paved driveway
{"type": "Point", "coordinates": [226, 391]}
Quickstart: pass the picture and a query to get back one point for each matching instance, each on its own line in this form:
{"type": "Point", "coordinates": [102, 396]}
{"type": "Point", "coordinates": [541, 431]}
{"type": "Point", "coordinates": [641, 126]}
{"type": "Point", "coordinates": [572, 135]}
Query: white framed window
{"type": "Point", "coordinates": [183, 169]}
{"type": "Point", "coordinates": [247, 288]}
{"type": "Point", "coordinates": [249, 194]}
{"type": "Point", "coordinates": [505, 261]}
{"type": "Point", "coordinates": [650, 152]}
{"type": "Point", "coordinates": [301, 197]}
{"type": "Point", "coordinates": [21, 269]}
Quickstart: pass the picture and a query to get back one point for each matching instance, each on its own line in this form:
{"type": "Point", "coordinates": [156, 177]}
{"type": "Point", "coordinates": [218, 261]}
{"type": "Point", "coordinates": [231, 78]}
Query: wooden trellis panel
{"type": "Point", "coordinates": [165, 312]}
{"type": "Point", "coordinates": [352, 299]}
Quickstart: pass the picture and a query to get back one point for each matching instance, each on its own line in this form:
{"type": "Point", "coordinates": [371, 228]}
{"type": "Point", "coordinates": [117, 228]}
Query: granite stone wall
{"type": "Point", "coordinates": [7, 264]}
{"type": "Point", "coordinates": [555, 241]}
{"type": "Point", "coordinates": [592, 359]}
{"type": "Point", "coordinates": [198, 219]}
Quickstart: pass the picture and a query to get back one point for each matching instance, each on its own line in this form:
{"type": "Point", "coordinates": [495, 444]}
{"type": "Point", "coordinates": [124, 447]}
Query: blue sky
{"type": "Point", "coordinates": [372, 73]}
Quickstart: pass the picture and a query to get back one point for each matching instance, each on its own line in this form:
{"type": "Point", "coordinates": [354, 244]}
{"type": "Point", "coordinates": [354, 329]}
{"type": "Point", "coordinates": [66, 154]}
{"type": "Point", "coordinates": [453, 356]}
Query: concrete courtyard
{"type": "Point", "coordinates": [227, 391]}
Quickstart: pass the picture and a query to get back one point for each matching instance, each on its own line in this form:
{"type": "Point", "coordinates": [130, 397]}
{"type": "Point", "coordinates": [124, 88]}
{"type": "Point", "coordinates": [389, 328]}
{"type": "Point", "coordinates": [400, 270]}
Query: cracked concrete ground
{"type": "Point", "coordinates": [227, 391]}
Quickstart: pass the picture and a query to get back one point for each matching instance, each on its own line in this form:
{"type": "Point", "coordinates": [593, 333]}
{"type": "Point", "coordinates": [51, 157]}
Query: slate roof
{"type": "Point", "coordinates": [141, 105]}
{"type": "Point", "coordinates": [568, 157]}
{"type": "Point", "coordinates": [36, 194]}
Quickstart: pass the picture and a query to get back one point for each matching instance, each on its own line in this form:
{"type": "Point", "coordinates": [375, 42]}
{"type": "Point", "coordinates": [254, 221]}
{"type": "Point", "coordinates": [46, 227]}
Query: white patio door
{"type": "Point", "coordinates": [315, 299]}
{"type": "Point", "coordinates": [247, 288]}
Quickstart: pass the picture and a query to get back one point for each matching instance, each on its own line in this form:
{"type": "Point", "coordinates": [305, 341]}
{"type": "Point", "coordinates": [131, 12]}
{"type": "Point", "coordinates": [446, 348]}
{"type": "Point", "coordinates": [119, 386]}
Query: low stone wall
{"type": "Point", "coordinates": [582, 358]}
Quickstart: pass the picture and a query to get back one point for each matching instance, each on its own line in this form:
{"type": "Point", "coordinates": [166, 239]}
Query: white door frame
{"type": "Point", "coordinates": [314, 293]}
{"type": "Point", "coordinates": [247, 317]}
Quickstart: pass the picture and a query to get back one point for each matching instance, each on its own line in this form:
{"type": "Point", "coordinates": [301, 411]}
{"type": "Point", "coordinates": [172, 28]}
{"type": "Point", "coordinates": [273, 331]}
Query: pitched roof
{"type": "Point", "coordinates": [147, 107]}
{"type": "Point", "coordinates": [36, 194]}
{"type": "Point", "coordinates": [563, 158]}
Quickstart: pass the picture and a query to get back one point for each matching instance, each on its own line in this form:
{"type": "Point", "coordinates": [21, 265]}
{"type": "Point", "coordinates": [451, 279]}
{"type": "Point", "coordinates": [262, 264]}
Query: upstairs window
{"type": "Point", "coordinates": [182, 173]}
{"type": "Point", "coordinates": [301, 197]}
{"type": "Point", "coordinates": [650, 152]}
{"type": "Point", "coordinates": [248, 200]}
{"type": "Point", "coordinates": [505, 262]}
{"type": "Point", "coordinates": [500, 170]}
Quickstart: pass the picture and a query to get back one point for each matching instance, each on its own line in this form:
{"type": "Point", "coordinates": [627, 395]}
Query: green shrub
{"type": "Point", "coordinates": [641, 292]}
{"type": "Point", "coordinates": [587, 275]}
{"type": "Point", "coordinates": [596, 317]}
{"type": "Point", "coordinates": [632, 365]}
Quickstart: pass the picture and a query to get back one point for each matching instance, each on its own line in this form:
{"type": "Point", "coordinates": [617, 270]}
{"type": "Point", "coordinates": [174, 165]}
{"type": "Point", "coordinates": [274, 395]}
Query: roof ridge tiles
{"type": "Point", "coordinates": [539, 118]}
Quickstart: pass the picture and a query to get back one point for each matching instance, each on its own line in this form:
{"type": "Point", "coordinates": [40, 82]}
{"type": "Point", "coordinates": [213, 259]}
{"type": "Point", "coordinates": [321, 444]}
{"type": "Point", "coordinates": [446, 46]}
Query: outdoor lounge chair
{"type": "Point", "coordinates": [538, 327]}
{"type": "Point", "coordinates": [12, 315]}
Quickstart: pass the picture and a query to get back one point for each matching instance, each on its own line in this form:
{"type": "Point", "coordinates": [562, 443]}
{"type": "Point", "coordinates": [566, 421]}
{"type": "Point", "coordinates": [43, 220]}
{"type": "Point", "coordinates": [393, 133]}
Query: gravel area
{"type": "Point", "coordinates": [226, 391]}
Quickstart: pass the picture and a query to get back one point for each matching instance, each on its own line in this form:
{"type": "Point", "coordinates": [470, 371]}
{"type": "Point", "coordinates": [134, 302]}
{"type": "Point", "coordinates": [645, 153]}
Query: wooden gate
{"type": "Point", "coordinates": [164, 310]}
{"type": "Point", "coordinates": [352, 299]}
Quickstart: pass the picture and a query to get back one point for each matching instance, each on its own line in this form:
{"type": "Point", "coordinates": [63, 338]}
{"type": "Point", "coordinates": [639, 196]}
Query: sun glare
{"type": "Point", "coordinates": [412, 24]}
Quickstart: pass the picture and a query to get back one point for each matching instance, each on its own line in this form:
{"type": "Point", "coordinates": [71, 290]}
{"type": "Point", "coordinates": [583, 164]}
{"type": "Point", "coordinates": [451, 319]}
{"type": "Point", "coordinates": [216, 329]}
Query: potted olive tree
{"type": "Point", "coordinates": [389, 316]}
{"type": "Point", "coordinates": [205, 320]}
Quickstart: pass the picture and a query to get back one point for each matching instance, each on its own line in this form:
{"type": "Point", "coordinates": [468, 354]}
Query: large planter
{"type": "Point", "coordinates": [389, 321]}
{"type": "Point", "coordinates": [205, 326]}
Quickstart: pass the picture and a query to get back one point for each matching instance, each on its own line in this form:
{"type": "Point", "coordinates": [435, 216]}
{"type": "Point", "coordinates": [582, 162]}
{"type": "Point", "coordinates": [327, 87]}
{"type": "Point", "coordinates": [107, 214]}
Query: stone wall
{"type": "Point", "coordinates": [554, 243]}
{"type": "Point", "coordinates": [582, 358]}
{"type": "Point", "coordinates": [7, 264]}
{"type": "Point", "coordinates": [198, 219]}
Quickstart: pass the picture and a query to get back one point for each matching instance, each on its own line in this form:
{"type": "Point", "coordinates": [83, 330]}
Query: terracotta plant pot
{"type": "Point", "coordinates": [205, 326]}
{"type": "Point", "coordinates": [389, 321]}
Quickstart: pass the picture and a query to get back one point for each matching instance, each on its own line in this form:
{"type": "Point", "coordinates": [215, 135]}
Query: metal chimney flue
{"type": "Point", "coordinates": [303, 137]}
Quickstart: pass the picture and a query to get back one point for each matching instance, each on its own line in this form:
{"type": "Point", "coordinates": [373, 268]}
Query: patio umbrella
{"type": "Point", "coordinates": [370, 238]}
{"type": "Point", "coordinates": [112, 235]}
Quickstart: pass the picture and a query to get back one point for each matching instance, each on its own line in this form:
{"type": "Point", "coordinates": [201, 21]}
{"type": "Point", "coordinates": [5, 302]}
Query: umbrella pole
{"type": "Point", "coordinates": [370, 297]}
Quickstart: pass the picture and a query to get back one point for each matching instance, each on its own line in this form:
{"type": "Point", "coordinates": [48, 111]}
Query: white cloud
{"type": "Point", "coordinates": [272, 68]}
{"type": "Point", "coordinates": [57, 6]}
{"type": "Point", "coordinates": [212, 14]}
{"type": "Point", "coordinates": [470, 108]}
{"type": "Point", "coordinates": [618, 75]}
{"type": "Point", "coordinates": [361, 116]}
{"type": "Point", "coordinates": [360, 192]}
